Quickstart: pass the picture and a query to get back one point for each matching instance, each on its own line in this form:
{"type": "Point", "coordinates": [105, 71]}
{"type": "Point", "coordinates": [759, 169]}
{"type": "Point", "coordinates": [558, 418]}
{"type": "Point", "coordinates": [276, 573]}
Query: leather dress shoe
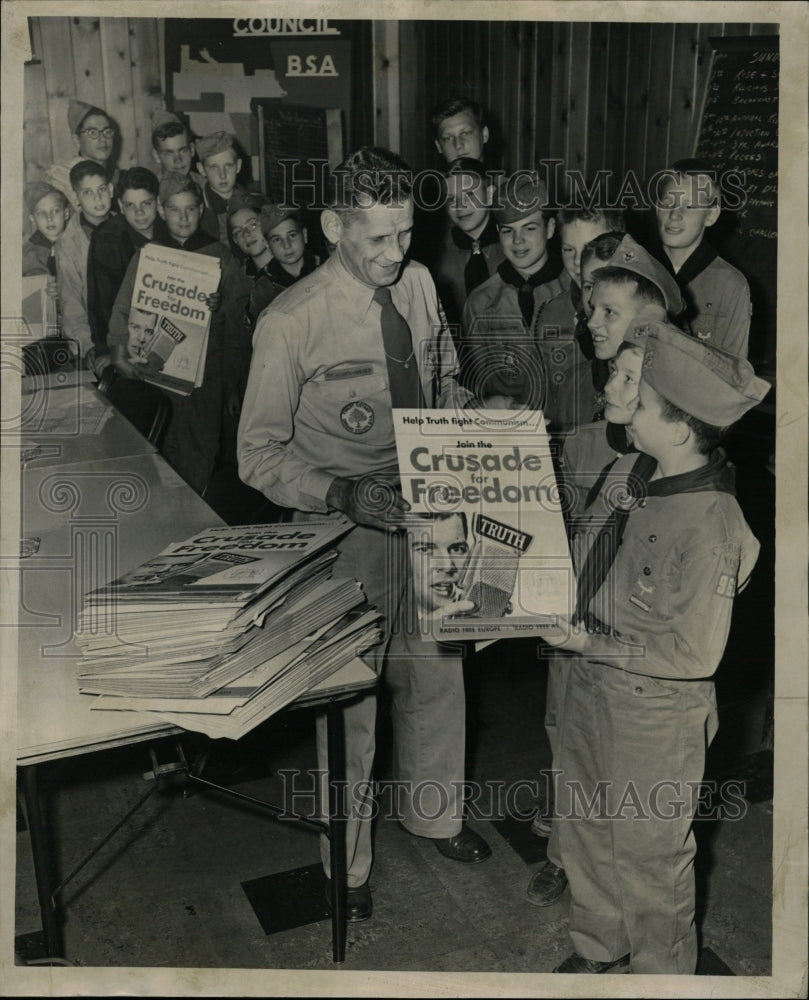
{"type": "Point", "coordinates": [359, 905]}
{"type": "Point", "coordinates": [546, 885]}
{"type": "Point", "coordinates": [589, 966]}
{"type": "Point", "coordinates": [466, 846]}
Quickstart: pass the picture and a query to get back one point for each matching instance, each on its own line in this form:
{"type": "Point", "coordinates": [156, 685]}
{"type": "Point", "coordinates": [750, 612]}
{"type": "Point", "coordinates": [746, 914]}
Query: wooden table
{"type": "Point", "coordinates": [95, 506]}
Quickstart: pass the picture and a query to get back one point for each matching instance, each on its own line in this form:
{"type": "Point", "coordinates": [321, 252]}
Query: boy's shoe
{"type": "Point", "coordinates": [547, 885]}
{"type": "Point", "coordinates": [541, 825]}
{"type": "Point", "coordinates": [589, 966]}
{"type": "Point", "coordinates": [359, 905]}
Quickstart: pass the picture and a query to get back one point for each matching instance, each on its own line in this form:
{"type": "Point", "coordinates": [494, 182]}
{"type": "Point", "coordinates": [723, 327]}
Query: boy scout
{"type": "Point", "coordinates": [95, 135]}
{"type": "Point", "coordinates": [94, 194]}
{"type": "Point", "coordinates": [660, 556]}
{"type": "Point", "coordinates": [192, 441]}
{"type": "Point", "coordinates": [459, 129]}
{"type": "Point", "coordinates": [627, 282]}
{"type": "Point", "coordinates": [557, 330]}
{"type": "Point", "coordinates": [717, 295]}
{"type": "Point", "coordinates": [500, 318]}
{"type": "Point", "coordinates": [49, 212]}
{"type": "Point", "coordinates": [112, 247]}
{"type": "Point", "coordinates": [219, 165]}
{"type": "Point", "coordinates": [172, 145]}
{"type": "Point", "coordinates": [470, 250]}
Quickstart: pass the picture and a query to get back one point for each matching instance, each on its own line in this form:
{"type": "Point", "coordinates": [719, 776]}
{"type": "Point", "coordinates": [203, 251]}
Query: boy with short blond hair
{"type": "Point", "coordinates": [93, 191]}
{"type": "Point", "coordinates": [660, 555]}
{"type": "Point", "coordinates": [219, 165]}
{"type": "Point", "coordinates": [717, 295]}
{"type": "Point", "coordinates": [459, 128]}
{"type": "Point", "coordinates": [576, 227]}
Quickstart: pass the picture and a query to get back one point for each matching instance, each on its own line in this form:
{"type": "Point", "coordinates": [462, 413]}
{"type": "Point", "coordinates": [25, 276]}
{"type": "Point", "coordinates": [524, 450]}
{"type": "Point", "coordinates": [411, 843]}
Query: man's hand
{"type": "Point", "coordinates": [371, 500]}
{"type": "Point", "coordinates": [213, 300]}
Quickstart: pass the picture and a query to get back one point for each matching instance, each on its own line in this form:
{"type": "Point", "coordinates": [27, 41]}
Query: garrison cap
{"type": "Point", "coordinates": [715, 387]}
{"type": "Point", "coordinates": [631, 256]}
{"type": "Point", "coordinates": [273, 215]}
{"type": "Point", "coordinates": [172, 182]}
{"type": "Point", "coordinates": [210, 145]}
{"type": "Point", "coordinates": [77, 111]}
{"type": "Point", "coordinates": [519, 196]}
{"type": "Point", "coordinates": [34, 193]}
{"type": "Point", "coordinates": [162, 117]}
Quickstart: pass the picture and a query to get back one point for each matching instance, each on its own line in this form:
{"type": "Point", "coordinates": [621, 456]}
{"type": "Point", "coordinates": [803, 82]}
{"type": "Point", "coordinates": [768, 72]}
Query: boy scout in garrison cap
{"type": "Point", "coordinates": [501, 361]}
{"type": "Point", "coordinates": [660, 556]}
{"type": "Point", "coordinates": [219, 165]}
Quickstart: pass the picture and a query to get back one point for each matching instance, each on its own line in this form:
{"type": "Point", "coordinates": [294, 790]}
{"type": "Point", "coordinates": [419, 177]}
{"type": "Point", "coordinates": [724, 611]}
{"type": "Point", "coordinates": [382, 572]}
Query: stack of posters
{"type": "Point", "coordinates": [221, 630]}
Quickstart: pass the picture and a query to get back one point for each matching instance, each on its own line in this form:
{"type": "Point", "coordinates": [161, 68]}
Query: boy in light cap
{"type": "Point", "coordinates": [502, 364]}
{"type": "Point", "coordinates": [219, 165]}
{"type": "Point", "coordinates": [49, 212]}
{"type": "Point", "coordinates": [660, 555]}
{"type": "Point", "coordinates": [95, 135]}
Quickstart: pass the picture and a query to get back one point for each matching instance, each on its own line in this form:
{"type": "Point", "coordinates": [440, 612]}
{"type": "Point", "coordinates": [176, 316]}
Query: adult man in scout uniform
{"type": "Point", "coordinates": [332, 356]}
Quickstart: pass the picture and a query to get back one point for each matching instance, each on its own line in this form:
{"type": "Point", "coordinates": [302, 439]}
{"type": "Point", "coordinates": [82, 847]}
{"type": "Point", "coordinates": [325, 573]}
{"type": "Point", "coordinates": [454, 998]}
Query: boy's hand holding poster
{"type": "Point", "coordinates": [169, 317]}
{"type": "Point", "coordinates": [485, 531]}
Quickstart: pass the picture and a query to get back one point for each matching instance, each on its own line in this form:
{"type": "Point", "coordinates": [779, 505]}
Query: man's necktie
{"type": "Point", "coordinates": [397, 340]}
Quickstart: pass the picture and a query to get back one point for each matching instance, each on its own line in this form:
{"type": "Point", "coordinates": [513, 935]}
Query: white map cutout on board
{"type": "Point", "coordinates": [200, 80]}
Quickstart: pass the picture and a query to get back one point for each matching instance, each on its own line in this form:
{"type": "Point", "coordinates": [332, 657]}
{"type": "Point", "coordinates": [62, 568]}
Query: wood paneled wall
{"type": "Point", "coordinates": [595, 95]}
{"type": "Point", "coordinates": [111, 62]}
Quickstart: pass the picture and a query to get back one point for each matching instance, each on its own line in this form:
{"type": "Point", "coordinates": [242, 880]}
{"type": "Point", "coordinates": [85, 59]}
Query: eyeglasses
{"type": "Point", "coordinates": [246, 229]}
{"type": "Point", "coordinates": [94, 133]}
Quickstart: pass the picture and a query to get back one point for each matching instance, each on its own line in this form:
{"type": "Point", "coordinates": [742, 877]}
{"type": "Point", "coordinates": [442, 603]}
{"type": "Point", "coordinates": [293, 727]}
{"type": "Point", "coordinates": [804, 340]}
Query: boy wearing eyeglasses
{"type": "Point", "coordinates": [95, 135]}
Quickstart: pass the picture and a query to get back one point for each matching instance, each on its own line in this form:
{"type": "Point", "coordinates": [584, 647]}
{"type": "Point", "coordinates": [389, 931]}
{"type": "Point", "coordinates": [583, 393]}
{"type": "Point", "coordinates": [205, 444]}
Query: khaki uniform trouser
{"type": "Point", "coordinates": [631, 751]}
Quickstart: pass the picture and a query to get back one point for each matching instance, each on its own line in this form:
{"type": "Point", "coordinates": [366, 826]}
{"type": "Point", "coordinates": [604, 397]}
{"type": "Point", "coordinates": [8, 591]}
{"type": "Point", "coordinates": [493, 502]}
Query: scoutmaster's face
{"type": "Point", "coordinates": [374, 241]}
{"type": "Point", "coordinates": [438, 551]}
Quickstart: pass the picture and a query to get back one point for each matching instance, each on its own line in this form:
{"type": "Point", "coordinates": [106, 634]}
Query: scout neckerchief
{"type": "Point", "coordinates": [693, 266]}
{"type": "Point", "coordinates": [476, 270]}
{"type": "Point", "coordinates": [283, 278]}
{"type": "Point", "coordinates": [605, 547]}
{"type": "Point", "coordinates": [525, 286]}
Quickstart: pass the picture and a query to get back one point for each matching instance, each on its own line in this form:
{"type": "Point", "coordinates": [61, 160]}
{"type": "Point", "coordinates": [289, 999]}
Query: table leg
{"type": "Point", "coordinates": [42, 861]}
{"type": "Point", "coordinates": [337, 827]}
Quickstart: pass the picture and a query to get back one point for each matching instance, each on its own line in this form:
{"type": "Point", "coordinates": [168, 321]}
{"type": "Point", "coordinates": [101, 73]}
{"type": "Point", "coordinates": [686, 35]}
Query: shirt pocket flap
{"type": "Point", "coordinates": [351, 388]}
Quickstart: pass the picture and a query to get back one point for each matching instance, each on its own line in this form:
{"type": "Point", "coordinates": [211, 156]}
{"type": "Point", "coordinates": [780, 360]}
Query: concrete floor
{"type": "Point", "coordinates": [167, 890]}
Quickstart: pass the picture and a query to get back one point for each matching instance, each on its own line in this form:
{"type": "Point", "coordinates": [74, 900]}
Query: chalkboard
{"type": "Point", "coordinates": [298, 146]}
{"type": "Point", "coordinates": [739, 133]}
